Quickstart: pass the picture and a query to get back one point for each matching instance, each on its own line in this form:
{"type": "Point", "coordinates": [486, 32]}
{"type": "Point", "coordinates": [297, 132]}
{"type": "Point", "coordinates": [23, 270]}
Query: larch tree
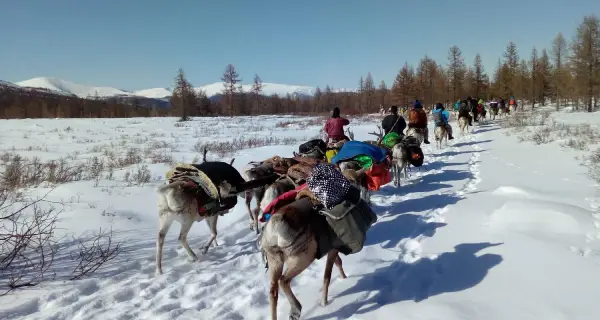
{"type": "Point", "coordinates": [585, 60]}
{"type": "Point", "coordinates": [383, 94]}
{"type": "Point", "coordinates": [511, 59]}
{"type": "Point", "coordinates": [560, 71]}
{"type": "Point", "coordinates": [256, 91]}
{"type": "Point", "coordinates": [479, 78]}
{"type": "Point", "coordinates": [403, 90]}
{"type": "Point", "coordinates": [456, 72]}
{"type": "Point", "coordinates": [369, 93]}
{"type": "Point", "coordinates": [183, 98]}
{"type": "Point", "coordinates": [230, 80]}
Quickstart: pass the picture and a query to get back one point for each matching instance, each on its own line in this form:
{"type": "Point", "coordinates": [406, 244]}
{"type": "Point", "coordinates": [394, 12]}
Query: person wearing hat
{"type": "Point", "coordinates": [393, 122]}
{"type": "Point", "coordinates": [417, 118]}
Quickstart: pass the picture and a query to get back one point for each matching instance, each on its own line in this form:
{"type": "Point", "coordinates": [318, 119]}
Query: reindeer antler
{"type": "Point", "coordinates": [378, 135]}
{"type": "Point", "coordinates": [204, 154]}
{"type": "Point", "coordinates": [350, 134]}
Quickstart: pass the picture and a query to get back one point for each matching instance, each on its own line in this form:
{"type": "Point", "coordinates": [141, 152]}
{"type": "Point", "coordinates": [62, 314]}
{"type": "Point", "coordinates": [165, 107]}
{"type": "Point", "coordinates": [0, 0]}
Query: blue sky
{"type": "Point", "coordinates": [139, 44]}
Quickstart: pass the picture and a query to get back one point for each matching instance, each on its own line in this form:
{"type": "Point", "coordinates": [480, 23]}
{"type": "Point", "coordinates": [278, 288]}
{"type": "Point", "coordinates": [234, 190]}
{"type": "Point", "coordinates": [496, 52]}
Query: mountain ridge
{"type": "Point", "coordinates": [66, 87]}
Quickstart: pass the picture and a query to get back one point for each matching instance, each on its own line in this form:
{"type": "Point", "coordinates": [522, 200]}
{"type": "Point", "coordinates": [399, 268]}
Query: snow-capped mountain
{"type": "Point", "coordinates": [67, 87]}
{"type": "Point", "coordinates": [85, 91]}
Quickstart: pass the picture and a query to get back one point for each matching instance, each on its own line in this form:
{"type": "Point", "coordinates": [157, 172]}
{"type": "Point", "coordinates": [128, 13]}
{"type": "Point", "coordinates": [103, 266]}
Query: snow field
{"type": "Point", "coordinates": [488, 228]}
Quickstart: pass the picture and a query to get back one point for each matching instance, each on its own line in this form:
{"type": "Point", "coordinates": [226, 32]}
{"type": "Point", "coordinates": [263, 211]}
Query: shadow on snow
{"type": "Point", "coordinates": [453, 271]}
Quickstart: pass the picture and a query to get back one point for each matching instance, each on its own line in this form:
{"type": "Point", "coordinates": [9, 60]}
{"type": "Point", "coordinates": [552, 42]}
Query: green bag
{"type": "Point", "coordinates": [391, 139]}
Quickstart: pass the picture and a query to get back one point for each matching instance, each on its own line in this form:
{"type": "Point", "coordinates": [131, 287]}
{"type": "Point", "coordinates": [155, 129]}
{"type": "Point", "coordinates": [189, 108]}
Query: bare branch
{"type": "Point", "coordinates": [95, 252]}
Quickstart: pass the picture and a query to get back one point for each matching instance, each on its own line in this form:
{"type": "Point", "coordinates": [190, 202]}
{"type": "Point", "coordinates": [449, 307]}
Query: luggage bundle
{"type": "Point", "coordinates": [348, 216]}
{"type": "Point", "coordinates": [369, 156]}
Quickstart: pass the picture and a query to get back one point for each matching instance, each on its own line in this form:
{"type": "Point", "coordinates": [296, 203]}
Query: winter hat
{"type": "Point", "coordinates": [394, 109]}
{"type": "Point", "coordinates": [439, 106]}
{"type": "Point", "coordinates": [418, 104]}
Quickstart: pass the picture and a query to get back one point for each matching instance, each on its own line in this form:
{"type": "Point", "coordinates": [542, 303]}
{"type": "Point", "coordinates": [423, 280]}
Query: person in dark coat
{"type": "Point", "coordinates": [393, 122]}
{"type": "Point", "coordinates": [465, 111]}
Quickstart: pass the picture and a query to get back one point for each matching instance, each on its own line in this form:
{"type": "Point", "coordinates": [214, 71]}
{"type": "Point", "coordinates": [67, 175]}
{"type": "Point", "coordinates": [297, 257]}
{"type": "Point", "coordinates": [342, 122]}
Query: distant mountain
{"type": "Point", "coordinates": [67, 87]}
{"type": "Point", "coordinates": [214, 89]}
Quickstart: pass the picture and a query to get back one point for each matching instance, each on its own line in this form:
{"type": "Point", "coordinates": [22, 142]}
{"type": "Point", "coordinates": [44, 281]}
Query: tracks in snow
{"type": "Point", "coordinates": [230, 281]}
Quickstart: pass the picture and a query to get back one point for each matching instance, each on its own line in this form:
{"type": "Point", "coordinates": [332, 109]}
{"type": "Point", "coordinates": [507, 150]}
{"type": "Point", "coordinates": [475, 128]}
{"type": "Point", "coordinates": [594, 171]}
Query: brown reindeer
{"type": "Point", "coordinates": [273, 166]}
{"type": "Point", "coordinates": [290, 238]}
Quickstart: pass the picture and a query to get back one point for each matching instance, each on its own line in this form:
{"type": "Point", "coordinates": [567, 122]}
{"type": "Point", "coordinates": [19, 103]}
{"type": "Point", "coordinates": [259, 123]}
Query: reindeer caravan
{"type": "Point", "coordinates": [313, 204]}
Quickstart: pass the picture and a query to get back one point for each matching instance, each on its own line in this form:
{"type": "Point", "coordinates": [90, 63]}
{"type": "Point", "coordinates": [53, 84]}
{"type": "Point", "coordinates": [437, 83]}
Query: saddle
{"type": "Point", "coordinates": [215, 185]}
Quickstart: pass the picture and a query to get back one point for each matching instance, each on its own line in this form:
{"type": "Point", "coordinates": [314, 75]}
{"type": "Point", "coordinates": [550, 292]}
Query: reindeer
{"type": "Point", "coordinates": [399, 157]}
{"type": "Point", "coordinates": [441, 134]}
{"type": "Point", "coordinates": [290, 238]}
{"type": "Point", "coordinates": [257, 171]}
{"type": "Point", "coordinates": [463, 125]}
{"type": "Point", "coordinates": [176, 202]}
{"type": "Point", "coordinates": [417, 133]}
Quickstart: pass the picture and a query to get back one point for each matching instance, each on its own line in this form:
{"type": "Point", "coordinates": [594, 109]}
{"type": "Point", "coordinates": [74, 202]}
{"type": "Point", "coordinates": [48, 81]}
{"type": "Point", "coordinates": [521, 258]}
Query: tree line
{"type": "Point", "coordinates": [566, 73]}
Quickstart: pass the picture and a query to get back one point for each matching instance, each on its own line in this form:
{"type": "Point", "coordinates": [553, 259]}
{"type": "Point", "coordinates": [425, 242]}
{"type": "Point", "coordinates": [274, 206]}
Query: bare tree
{"type": "Point", "coordinates": [456, 72]}
{"type": "Point", "coordinates": [369, 93]}
{"type": "Point", "coordinates": [559, 76]}
{"type": "Point", "coordinates": [257, 89]}
{"type": "Point", "coordinates": [586, 60]}
{"type": "Point", "coordinates": [184, 97]}
{"type": "Point", "coordinates": [230, 80]}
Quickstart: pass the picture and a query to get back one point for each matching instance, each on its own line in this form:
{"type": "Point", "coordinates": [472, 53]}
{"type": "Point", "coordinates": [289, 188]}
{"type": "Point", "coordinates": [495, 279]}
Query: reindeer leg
{"type": "Point", "coordinates": [275, 263]}
{"type": "Point", "coordinates": [338, 263]}
{"type": "Point", "coordinates": [295, 265]}
{"type": "Point", "coordinates": [248, 198]}
{"type": "Point", "coordinates": [332, 257]}
{"type": "Point", "coordinates": [212, 225]}
{"type": "Point", "coordinates": [256, 214]}
{"type": "Point", "coordinates": [164, 225]}
{"type": "Point", "coordinates": [186, 225]}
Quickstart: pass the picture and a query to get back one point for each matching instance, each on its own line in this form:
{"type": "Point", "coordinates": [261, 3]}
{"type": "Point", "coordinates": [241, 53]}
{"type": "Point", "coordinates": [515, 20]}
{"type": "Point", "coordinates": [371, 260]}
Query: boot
{"type": "Point", "coordinates": [450, 137]}
{"type": "Point", "coordinates": [426, 141]}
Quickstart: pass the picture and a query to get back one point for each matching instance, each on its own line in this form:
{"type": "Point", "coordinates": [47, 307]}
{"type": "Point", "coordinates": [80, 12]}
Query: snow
{"type": "Point", "coordinates": [155, 93]}
{"type": "Point", "coordinates": [488, 228]}
{"type": "Point", "coordinates": [82, 91]}
{"type": "Point", "coordinates": [268, 89]}
{"type": "Point", "coordinates": [85, 91]}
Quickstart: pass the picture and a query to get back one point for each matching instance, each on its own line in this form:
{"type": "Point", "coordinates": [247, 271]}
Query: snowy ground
{"type": "Point", "coordinates": [488, 228]}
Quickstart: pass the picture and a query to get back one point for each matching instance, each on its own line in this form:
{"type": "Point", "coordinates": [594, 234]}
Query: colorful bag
{"type": "Point", "coordinates": [391, 139]}
{"type": "Point", "coordinates": [378, 175]}
{"type": "Point", "coordinates": [330, 154]}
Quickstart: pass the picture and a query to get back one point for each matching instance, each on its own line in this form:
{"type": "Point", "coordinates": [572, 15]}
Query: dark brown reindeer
{"type": "Point", "coordinates": [290, 238]}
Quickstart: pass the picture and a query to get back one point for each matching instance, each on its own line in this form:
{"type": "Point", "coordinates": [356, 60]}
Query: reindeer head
{"type": "Point", "coordinates": [356, 177]}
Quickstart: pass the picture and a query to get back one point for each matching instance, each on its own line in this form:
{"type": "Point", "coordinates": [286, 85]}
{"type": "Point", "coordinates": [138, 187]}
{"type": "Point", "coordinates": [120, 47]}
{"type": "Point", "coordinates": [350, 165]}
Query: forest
{"type": "Point", "coordinates": [567, 72]}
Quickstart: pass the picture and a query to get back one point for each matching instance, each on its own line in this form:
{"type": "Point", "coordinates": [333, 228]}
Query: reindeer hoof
{"type": "Point", "coordinates": [158, 273]}
{"type": "Point", "coordinates": [295, 315]}
{"type": "Point", "coordinates": [204, 249]}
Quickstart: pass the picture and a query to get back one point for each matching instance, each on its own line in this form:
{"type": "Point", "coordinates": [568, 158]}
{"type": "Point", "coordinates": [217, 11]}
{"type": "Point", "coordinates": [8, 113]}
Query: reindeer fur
{"type": "Point", "coordinates": [177, 203]}
{"type": "Point", "coordinates": [290, 238]}
{"type": "Point", "coordinates": [417, 133]}
{"type": "Point", "coordinates": [463, 125]}
{"type": "Point", "coordinates": [441, 134]}
{"type": "Point", "coordinates": [399, 163]}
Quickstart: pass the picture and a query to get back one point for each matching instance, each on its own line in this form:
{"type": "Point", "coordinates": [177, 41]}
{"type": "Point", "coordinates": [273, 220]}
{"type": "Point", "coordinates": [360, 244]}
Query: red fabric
{"type": "Point", "coordinates": [282, 200]}
{"type": "Point", "coordinates": [480, 108]}
{"type": "Point", "coordinates": [378, 175]}
{"type": "Point", "coordinates": [334, 127]}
